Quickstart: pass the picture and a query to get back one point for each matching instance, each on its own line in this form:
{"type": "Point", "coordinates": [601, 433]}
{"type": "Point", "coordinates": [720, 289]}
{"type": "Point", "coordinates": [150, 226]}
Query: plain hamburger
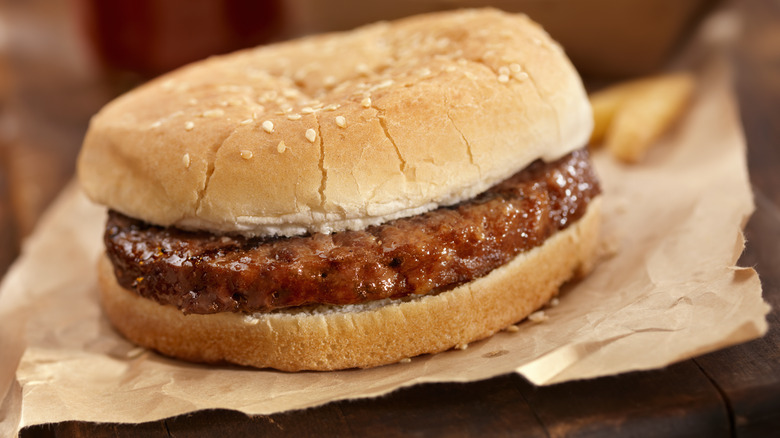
{"type": "Point", "coordinates": [346, 200]}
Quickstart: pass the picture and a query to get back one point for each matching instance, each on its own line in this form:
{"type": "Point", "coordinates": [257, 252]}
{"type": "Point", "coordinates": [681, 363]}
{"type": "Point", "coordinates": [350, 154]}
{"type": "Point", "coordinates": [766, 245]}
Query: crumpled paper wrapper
{"type": "Point", "coordinates": [667, 290]}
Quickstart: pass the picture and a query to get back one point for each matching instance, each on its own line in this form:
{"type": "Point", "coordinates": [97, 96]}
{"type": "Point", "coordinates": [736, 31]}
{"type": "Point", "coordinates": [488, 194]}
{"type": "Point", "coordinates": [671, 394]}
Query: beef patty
{"type": "Point", "coordinates": [199, 272]}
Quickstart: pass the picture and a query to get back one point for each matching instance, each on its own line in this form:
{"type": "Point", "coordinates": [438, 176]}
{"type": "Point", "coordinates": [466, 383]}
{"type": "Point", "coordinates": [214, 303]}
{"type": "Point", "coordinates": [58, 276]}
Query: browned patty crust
{"type": "Point", "coordinates": [199, 272]}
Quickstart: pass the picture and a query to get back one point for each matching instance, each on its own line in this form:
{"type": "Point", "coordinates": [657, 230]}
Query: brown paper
{"type": "Point", "coordinates": [667, 290]}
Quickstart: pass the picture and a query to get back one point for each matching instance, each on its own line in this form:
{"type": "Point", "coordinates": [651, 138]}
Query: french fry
{"type": "Point", "coordinates": [630, 117]}
{"type": "Point", "coordinates": [643, 118]}
{"type": "Point", "coordinates": [605, 104]}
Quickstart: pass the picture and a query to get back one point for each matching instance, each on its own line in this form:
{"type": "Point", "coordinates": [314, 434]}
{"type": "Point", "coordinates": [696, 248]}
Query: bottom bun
{"type": "Point", "coordinates": [360, 336]}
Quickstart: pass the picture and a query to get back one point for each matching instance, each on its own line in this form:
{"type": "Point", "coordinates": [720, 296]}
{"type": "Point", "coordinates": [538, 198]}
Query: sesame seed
{"type": "Point", "coordinates": [462, 346]}
{"type": "Point", "coordinates": [193, 101]}
{"type": "Point", "coordinates": [311, 135]}
{"type": "Point", "coordinates": [512, 329]}
{"type": "Point", "coordinates": [450, 68]}
{"type": "Point", "coordinates": [332, 107]}
{"type": "Point", "coordinates": [554, 302]}
{"type": "Point", "coordinates": [156, 124]}
{"type": "Point", "coordinates": [469, 75]}
{"type": "Point", "coordinates": [405, 360]}
{"type": "Point", "coordinates": [293, 116]}
{"type": "Point", "coordinates": [214, 113]}
{"type": "Point", "coordinates": [425, 72]}
{"type": "Point", "coordinates": [341, 121]}
{"type": "Point", "coordinates": [329, 80]}
{"type": "Point", "coordinates": [515, 68]}
{"type": "Point", "coordinates": [307, 110]}
{"type": "Point", "coordinates": [384, 84]}
{"type": "Point", "coordinates": [504, 70]}
{"type": "Point", "coordinates": [366, 102]}
{"type": "Point", "coordinates": [268, 126]}
{"type": "Point", "coordinates": [503, 79]}
{"type": "Point", "coordinates": [186, 160]}
{"type": "Point", "coordinates": [245, 122]}
{"type": "Point", "coordinates": [246, 154]}
{"type": "Point", "coordinates": [281, 147]}
{"type": "Point", "coordinates": [521, 76]}
{"type": "Point", "coordinates": [188, 126]}
{"type": "Point", "coordinates": [362, 68]}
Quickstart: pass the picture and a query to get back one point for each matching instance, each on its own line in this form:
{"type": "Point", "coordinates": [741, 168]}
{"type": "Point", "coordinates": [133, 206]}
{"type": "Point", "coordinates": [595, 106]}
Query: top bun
{"type": "Point", "coordinates": [338, 131]}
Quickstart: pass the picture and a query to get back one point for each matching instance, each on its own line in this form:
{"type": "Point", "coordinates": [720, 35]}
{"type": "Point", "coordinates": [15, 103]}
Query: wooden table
{"type": "Point", "coordinates": [733, 392]}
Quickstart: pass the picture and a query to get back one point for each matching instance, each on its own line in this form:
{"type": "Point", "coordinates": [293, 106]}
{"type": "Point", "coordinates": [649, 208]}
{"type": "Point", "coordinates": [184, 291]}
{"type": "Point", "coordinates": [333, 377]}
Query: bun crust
{"type": "Point", "coordinates": [324, 133]}
{"type": "Point", "coordinates": [338, 337]}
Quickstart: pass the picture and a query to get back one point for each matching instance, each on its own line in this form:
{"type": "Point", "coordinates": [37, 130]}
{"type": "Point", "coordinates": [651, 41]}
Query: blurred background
{"type": "Point", "coordinates": [61, 60]}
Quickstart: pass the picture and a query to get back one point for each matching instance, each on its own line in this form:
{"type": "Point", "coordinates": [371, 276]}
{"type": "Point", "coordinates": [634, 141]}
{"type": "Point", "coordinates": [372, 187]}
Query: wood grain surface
{"type": "Point", "coordinates": [732, 392]}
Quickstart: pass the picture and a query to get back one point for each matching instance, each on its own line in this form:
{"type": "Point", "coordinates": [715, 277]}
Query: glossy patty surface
{"type": "Point", "coordinates": [199, 272]}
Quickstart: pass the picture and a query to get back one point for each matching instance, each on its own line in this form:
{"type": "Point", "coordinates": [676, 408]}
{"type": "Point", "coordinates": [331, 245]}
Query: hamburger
{"type": "Point", "coordinates": [346, 200]}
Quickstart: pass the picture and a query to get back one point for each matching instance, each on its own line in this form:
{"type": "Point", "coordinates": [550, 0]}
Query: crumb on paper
{"type": "Point", "coordinates": [538, 316]}
{"type": "Point", "coordinates": [495, 353]}
{"type": "Point", "coordinates": [608, 247]}
{"type": "Point", "coordinates": [135, 352]}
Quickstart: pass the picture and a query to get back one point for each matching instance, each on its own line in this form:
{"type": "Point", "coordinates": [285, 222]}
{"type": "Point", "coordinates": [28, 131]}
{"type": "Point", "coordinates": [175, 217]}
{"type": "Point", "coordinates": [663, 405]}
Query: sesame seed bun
{"type": "Point", "coordinates": [338, 131]}
{"type": "Point", "coordinates": [337, 337]}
